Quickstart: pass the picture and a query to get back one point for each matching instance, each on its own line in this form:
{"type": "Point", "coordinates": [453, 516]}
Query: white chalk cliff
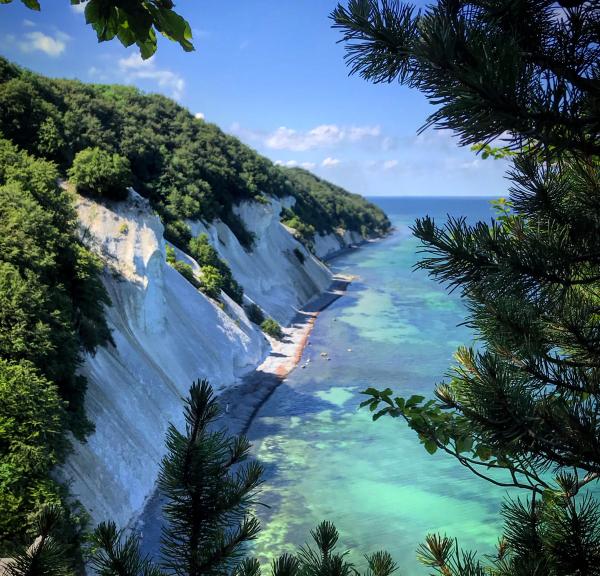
{"type": "Point", "coordinates": [168, 334]}
{"type": "Point", "coordinates": [328, 245]}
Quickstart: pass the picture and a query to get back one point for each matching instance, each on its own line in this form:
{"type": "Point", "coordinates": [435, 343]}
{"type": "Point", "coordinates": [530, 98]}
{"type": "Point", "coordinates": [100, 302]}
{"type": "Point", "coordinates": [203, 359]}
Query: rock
{"type": "Point", "coordinates": [167, 335]}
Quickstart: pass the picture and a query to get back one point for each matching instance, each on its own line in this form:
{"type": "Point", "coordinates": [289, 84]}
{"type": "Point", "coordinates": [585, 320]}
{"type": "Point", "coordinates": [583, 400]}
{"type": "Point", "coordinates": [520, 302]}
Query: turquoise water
{"type": "Point", "coordinates": [327, 460]}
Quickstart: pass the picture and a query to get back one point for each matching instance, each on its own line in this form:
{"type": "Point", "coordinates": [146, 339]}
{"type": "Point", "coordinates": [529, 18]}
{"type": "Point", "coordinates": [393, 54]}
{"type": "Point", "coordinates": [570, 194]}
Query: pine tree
{"type": "Point", "coordinates": [46, 555]}
{"type": "Point", "coordinates": [209, 491]}
{"type": "Point", "coordinates": [524, 405]}
{"type": "Point", "coordinates": [208, 488]}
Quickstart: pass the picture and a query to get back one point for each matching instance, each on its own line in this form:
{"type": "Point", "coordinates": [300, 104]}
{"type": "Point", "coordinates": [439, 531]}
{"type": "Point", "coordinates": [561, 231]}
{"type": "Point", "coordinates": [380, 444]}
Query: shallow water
{"type": "Point", "coordinates": [327, 460]}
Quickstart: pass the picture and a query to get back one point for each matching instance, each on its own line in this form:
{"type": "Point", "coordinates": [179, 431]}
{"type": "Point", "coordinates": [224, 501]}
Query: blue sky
{"type": "Point", "coordinates": [271, 73]}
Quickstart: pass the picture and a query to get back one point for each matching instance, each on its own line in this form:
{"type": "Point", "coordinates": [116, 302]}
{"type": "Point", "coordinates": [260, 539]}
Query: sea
{"type": "Point", "coordinates": [325, 459]}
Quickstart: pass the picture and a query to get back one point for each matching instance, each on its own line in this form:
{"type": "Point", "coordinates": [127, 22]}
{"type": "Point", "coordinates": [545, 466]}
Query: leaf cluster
{"type": "Point", "coordinates": [51, 310]}
{"type": "Point", "coordinates": [213, 266]}
{"type": "Point", "coordinates": [132, 22]}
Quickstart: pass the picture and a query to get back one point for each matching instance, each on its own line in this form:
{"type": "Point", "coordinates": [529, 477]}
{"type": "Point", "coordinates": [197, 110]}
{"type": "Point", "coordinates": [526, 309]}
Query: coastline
{"type": "Point", "coordinates": [242, 402]}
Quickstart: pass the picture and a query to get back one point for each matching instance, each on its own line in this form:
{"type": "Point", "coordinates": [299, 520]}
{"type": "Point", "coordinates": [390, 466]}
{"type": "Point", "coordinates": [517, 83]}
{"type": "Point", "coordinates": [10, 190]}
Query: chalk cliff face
{"type": "Point", "coordinates": [271, 274]}
{"type": "Point", "coordinates": [168, 334]}
{"type": "Point", "coordinates": [328, 245]}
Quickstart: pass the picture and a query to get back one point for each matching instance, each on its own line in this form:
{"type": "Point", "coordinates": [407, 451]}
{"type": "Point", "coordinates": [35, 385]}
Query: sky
{"type": "Point", "coordinates": [272, 73]}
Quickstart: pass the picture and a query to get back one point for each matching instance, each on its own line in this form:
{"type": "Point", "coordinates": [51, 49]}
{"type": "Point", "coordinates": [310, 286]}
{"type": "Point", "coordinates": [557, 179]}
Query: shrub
{"type": "Point", "coordinates": [272, 328]}
{"type": "Point", "coordinates": [203, 252]}
{"type": "Point", "coordinates": [255, 314]}
{"type": "Point", "coordinates": [178, 232]}
{"type": "Point", "coordinates": [206, 256]}
{"type": "Point", "coordinates": [171, 258]}
{"type": "Point", "coordinates": [182, 267]}
{"type": "Point", "coordinates": [299, 255]}
{"type": "Point", "coordinates": [212, 281]}
{"type": "Point", "coordinates": [302, 231]}
{"type": "Point", "coordinates": [262, 199]}
{"type": "Point", "coordinates": [98, 172]}
{"type": "Point", "coordinates": [187, 272]}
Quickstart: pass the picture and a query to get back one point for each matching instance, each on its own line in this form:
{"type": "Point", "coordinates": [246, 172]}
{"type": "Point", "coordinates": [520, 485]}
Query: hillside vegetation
{"type": "Point", "coordinates": [51, 310]}
{"type": "Point", "coordinates": [188, 168]}
{"type": "Point", "coordinates": [104, 138]}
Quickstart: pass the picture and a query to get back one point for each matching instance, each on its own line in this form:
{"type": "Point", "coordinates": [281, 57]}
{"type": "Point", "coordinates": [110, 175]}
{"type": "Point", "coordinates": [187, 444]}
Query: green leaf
{"type": "Point", "coordinates": [483, 452]}
{"type": "Point", "coordinates": [431, 446]}
{"type": "Point", "coordinates": [414, 400]}
{"type": "Point", "coordinates": [464, 444]}
{"type": "Point", "coordinates": [147, 49]}
{"type": "Point", "coordinates": [126, 36]}
{"type": "Point", "coordinates": [93, 12]}
{"type": "Point", "coordinates": [174, 27]}
{"type": "Point", "coordinates": [371, 392]}
{"type": "Point", "coordinates": [32, 4]}
{"type": "Point", "coordinates": [379, 414]}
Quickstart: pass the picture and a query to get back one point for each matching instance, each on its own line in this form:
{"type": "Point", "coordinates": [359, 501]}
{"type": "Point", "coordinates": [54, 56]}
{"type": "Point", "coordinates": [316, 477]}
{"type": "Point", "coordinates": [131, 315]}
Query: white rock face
{"type": "Point", "coordinates": [271, 274]}
{"type": "Point", "coordinates": [327, 245]}
{"type": "Point", "coordinates": [168, 334]}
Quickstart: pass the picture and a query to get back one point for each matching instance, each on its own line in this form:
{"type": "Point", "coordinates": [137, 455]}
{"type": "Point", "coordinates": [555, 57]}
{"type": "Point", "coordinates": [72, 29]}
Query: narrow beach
{"type": "Point", "coordinates": [242, 402]}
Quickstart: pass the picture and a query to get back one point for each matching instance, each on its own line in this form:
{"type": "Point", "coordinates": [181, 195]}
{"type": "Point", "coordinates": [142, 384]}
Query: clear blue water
{"type": "Point", "coordinates": [327, 460]}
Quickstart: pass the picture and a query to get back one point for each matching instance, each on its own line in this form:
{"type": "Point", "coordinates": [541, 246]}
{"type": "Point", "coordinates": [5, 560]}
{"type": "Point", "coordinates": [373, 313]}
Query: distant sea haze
{"type": "Point", "coordinates": [326, 460]}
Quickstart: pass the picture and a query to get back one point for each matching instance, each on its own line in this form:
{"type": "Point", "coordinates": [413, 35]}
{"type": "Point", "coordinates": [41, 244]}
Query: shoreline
{"type": "Point", "coordinates": [241, 402]}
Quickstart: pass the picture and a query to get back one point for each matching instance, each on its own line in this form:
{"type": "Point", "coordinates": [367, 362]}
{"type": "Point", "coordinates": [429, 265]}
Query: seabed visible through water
{"type": "Point", "coordinates": [325, 460]}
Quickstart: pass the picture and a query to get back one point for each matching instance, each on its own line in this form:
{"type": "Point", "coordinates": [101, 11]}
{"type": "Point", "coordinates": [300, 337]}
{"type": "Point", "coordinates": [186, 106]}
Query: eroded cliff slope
{"type": "Point", "coordinates": [167, 334]}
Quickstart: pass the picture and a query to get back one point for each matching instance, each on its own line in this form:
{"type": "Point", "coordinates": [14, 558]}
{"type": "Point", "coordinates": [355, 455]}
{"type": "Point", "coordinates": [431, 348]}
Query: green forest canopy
{"type": "Point", "coordinates": [188, 168]}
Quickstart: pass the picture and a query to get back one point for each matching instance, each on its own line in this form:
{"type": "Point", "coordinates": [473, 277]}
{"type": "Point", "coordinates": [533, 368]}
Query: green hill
{"type": "Point", "coordinates": [188, 168]}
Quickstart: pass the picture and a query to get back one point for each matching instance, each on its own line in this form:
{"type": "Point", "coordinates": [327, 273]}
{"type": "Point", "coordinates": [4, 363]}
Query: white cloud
{"type": "Point", "coordinates": [471, 165]}
{"type": "Point", "coordinates": [308, 165]}
{"type": "Point", "coordinates": [329, 162]}
{"type": "Point", "coordinates": [52, 46]}
{"type": "Point", "coordinates": [458, 163]}
{"type": "Point", "coordinates": [325, 135]}
{"type": "Point", "coordinates": [28, 23]}
{"type": "Point", "coordinates": [79, 8]}
{"type": "Point", "coordinates": [288, 163]}
{"type": "Point", "coordinates": [134, 68]}
{"type": "Point", "coordinates": [199, 115]}
{"type": "Point", "coordinates": [321, 136]}
{"type": "Point", "coordinates": [390, 164]}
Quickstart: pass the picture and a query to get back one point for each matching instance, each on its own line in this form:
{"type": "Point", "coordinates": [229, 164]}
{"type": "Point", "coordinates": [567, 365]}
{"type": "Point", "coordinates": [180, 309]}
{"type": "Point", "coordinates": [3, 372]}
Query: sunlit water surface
{"type": "Point", "coordinates": [327, 460]}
